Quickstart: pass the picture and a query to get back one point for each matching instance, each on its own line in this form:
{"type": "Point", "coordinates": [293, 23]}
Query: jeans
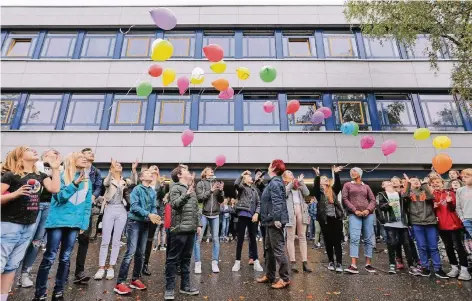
{"type": "Point", "coordinates": [452, 240]}
{"type": "Point", "coordinates": [136, 244]}
{"type": "Point", "coordinates": [427, 240]}
{"type": "Point", "coordinates": [224, 227]}
{"type": "Point", "coordinates": [398, 237]}
{"type": "Point", "coordinates": [333, 235]}
{"type": "Point", "coordinates": [115, 217]}
{"type": "Point", "coordinates": [160, 236]}
{"type": "Point", "coordinates": [15, 240]}
{"type": "Point", "coordinates": [275, 253]}
{"type": "Point", "coordinates": [38, 237]}
{"type": "Point", "coordinates": [311, 228]}
{"type": "Point", "coordinates": [84, 240]}
{"type": "Point", "coordinates": [152, 231]}
{"type": "Point", "coordinates": [358, 224]}
{"type": "Point", "coordinates": [179, 252]}
{"type": "Point", "coordinates": [214, 225]}
{"type": "Point", "coordinates": [468, 225]}
{"type": "Point", "coordinates": [246, 222]}
{"type": "Point", "coordinates": [65, 239]}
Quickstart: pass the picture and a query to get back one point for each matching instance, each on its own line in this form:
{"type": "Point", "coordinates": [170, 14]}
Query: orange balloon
{"type": "Point", "coordinates": [442, 163]}
{"type": "Point", "coordinates": [220, 84]}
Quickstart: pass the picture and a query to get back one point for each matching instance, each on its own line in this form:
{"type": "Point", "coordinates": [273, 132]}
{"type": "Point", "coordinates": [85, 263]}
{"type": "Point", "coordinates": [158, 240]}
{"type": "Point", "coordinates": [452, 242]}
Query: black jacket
{"type": "Point", "coordinates": [211, 200]}
{"type": "Point", "coordinates": [273, 203]}
{"type": "Point", "coordinates": [248, 197]}
{"type": "Point", "coordinates": [384, 211]}
{"type": "Point", "coordinates": [185, 214]}
{"type": "Point", "coordinates": [323, 200]}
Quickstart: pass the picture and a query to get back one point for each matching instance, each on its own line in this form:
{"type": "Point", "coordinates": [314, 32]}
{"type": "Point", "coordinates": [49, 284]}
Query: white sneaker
{"type": "Point", "coordinates": [110, 274]}
{"type": "Point", "coordinates": [236, 266]}
{"type": "Point", "coordinates": [257, 266]}
{"type": "Point", "coordinates": [454, 271]}
{"type": "Point", "coordinates": [99, 274]}
{"type": "Point", "coordinates": [26, 281]}
{"type": "Point", "coordinates": [198, 268]}
{"type": "Point", "coordinates": [464, 275]}
{"type": "Point", "coordinates": [214, 266]}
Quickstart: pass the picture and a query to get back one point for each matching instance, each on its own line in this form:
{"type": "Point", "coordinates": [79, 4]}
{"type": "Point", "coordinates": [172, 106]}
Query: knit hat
{"type": "Point", "coordinates": [358, 170]}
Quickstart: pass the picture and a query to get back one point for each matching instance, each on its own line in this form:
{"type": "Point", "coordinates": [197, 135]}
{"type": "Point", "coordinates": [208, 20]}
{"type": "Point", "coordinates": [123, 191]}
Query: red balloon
{"type": "Point", "coordinates": [293, 106]}
{"type": "Point", "coordinates": [213, 52]}
{"type": "Point", "coordinates": [155, 70]}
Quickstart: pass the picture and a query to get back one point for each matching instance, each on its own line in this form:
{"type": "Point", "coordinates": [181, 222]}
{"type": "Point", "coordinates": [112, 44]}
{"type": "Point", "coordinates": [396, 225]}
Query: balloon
{"type": "Point", "coordinates": [197, 76]}
{"type": "Point", "coordinates": [326, 111]}
{"type": "Point", "coordinates": [168, 76]}
{"type": "Point", "coordinates": [293, 106]}
{"type": "Point", "coordinates": [355, 128]}
{"type": "Point", "coordinates": [164, 18]}
{"type": "Point", "coordinates": [347, 128]}
{"type": "Point", "coordinates": [268, 74]}
{"type": "Point", "coordinates": [442, 163]}
{"type": "Point", "coordinates": [421, 134]}
{"type": "Point", "coordinates": [243, 73]}
{"type": "Point", "coordinates": [218, 67]}
{"type": "Point", "coordinates": [161, 50]}
{"type": "Point", "coordinates": [182, 83]}
{"type": "Point", "coordinates": [226, 94]}
{"type": "Point", "coordinates": [317, 117]}
{"type": "Point", "coordinates": [268, 107]}
{"type": "Point", "coordinates": [144, 89]}
{"type": "Point", "coordinates": [196, 81]}
{"type": "Point", "coordinates": [389, 147]}
{"type": "Point", "coordinates": [187, 137]}
{"type": "Point", "coordinates": [155, 70]}
{"type": "Point", "coordinates": [367, 142]}
{"type": "Point", "coordinates": [220, 160]}
{"type": "Point", "coordinates": [213, 52]}
{"type": "Point", "coordinates": [442, 142]}
{"type": "Point", "coordinates": [220, 84]}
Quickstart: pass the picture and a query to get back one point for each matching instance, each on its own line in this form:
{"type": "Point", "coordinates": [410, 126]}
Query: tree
{"type": "Point", "coordinates": [445, 23]}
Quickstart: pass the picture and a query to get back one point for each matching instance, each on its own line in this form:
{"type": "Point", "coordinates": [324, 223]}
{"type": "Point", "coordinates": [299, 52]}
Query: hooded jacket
{"type": "Point", "coordinates": [385, 212]}
{"type": "Point", "coordinates": [446, 211]}
{"type": "Point", "coordinates": [248, 197]}
{"type": "Point", "coordinates": [143, 203]}
{"type": "Point", "coordinates": [211, 200]}
{"type": "Point", "coordinates": [185, 213]}
{"type": "Point", "coordinates": [420, 205]}
{"type": "Point", "coordinates": [273, 203]}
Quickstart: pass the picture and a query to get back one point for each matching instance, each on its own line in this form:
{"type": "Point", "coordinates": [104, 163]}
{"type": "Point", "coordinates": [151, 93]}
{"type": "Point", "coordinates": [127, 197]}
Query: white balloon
{"type": "Point", "coordinates": [198, 73]}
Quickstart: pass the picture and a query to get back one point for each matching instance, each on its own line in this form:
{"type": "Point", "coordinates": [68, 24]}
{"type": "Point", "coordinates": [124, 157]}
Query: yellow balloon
{"type": "Point", "coordinates": [421, 134]}
{"type": "Point", "coordinates": [442, 142]}
{"type": "Point", "coordinates": [161, 50]}
{"type": "Point", "coordinates": [197, 81]}
{"type": "Point", "coordinates": [218, 67]}
{"type": "Point", "coordinates": [168, 76]}
{"type": "Point", "coordinates": [243, 73]}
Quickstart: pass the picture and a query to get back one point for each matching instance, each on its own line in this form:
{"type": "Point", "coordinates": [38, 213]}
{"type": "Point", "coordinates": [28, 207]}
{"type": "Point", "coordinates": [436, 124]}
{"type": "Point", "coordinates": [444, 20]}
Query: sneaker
{"type": "Point", "coordinates": [339, 268]}
{"type": "Point", "coordinates": [99, 274]}
{"type": "Point", "coordinates": [137, 284]}
{"type": "Point", "coordinates": [214, 266]}
{"type": "Point", "coordinates": [318, 245]}
{"type": "Point", "coordinates": [257, 266]}
{"type": "Point", "coordinates": [42, 298]}
{"type": "Point", "coordinates": [110, 273]}
{"type": "Point", "coordinates": [392, 269]}
{"type": "Point", "coordinates": [251, 261]}
{"type": "Point", "coordinates": [414, 271]}
{"type": "Point", "coordinates": [331, 266]}
{"type": "Point", "coordinates": [26, 280]}
{"type": "Point", "coordinates": [352, 269]}
{"type": "Point", "coordinates": [155, 249]}
{"type": "Point", "coordinates": [122, 289]}
{"type": "Point", "coordinates": [454, 271]}
{"type": "Point", "coordinates": [399, 264]}
{"type": "Point", "coordinates": [146, 270]}
{"type": "Point", "coordinates": [260, 239]}
{"type": "Point", "coordinates": [208, 240]}
{"type": "Point", "coordinates": [198, 268]}
{"type": "Point", "coordinates": [189, 291]}
{"type": "Point", "coordinates": [464, 275]}
{"type": "Point", "coordinates": [59, 296]}
{"type": "Point", "coordinates": [425, 272]}
{"type": "Point", "coordinates": [81, 278]}
{"type": "Point", "coordinates": [169, 295]}
{"type": "Point", "coordinates": [163, 248]}
{"type": "Point", "coordinates": [236, 266]}
{"type": "Point", "coordinates": [440, 274]}
{"type": "Point", "coordinates": [370, 268]}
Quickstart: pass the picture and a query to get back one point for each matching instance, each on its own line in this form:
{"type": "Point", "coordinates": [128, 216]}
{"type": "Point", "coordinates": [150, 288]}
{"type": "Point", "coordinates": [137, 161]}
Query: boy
{"type": "Point", "coordinates": [464, 200]}
{"type": "Point", "coordinates": [143, 210]}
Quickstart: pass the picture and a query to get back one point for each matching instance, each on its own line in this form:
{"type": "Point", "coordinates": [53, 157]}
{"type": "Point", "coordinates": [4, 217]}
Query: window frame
{"type": "Point", "coordinates": [92, 35]}
{"type": "Point", "coordinates": [385, 124]}
{"type": "Point", "coordinates": [12, 39]}
{"type": "Point", "coordinates": [270, 37]}
{"type": "Point", "coordinates": [10, 108]}
{"type": "Point", "coordinates": [27, 113]}
{"type": "Point", "coordinates": [117, 113]}
{"type": "Point", "coordinates": [311, 41]}
{"type": "Point", "coordinates": [368, 48]}
{"type": "Point", "coordinates": [359, 102]}
{"type": "Point", "coordinates": [162, 106]}
{"type": "Point", "coordinates": [248, 99]}
{"type": "Point", "coordinates": [204, 99]}
{"type": "Point", "coordinates": [129, 39]}
{"type": "Point", "coordinates": [316, 103]}
{"type": "Point", "coordinates": [358, 98]}
{"type": "Point", "coordinates": [79, 97]}
{"type": "Point", "coordinates": [331, 36]}
{"type": "Point", "coordinates": [423, 102]}
{"type": "Point", "coordinates": [189, 36]}
{"type": "Point", "coordinates": [57, 35]}
{"type": "Point", "coordinates": [232, 40]}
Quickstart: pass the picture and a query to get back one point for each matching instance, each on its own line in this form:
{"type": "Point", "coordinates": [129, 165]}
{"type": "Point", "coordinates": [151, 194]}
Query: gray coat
{"type": "Point", "coordinates": [211, 200]}
{"type": "Point", "coordinates": [185, 213]}
{"type": "Point", "coordinates": [302, 193]}
{"type": "Point", "coordinates": [248, 197]}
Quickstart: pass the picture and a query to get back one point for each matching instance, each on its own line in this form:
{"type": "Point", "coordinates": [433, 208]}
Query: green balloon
{"type": "Point", "coordinates": [355, 132]}
{"type": "Point", "coordinates": [144, 89]}
{"type": "Point", "coordinates": [268, 74]}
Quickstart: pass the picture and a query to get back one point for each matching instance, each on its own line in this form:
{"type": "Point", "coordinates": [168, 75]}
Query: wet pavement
{"type": "Point", "coordinates": [227, 285]}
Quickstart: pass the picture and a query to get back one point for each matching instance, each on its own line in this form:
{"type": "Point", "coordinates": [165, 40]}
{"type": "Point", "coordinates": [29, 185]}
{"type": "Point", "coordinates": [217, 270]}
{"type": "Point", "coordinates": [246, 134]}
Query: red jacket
{"type": "Point", "coordinates": [167, 216]}
{"type": "Point", "coordinates": [446, 211]}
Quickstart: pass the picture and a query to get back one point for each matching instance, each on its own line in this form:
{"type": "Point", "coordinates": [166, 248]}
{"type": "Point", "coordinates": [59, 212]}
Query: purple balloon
{"type": "Point", "coordinates": [317, 117]}
{"type": "Point", "coordinates": [164, 18]}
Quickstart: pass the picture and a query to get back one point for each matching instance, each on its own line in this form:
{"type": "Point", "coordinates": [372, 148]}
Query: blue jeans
{"type": "Point", "coordinates": [312, 228]}
{"type": "Point", "coordinates": [214, 225]}
{"type": "Point", "coordinates": [468, 225]}
{"type": "Point", "coordinates": [38, 238]}
{"type": "Point", "coordinates": [225, 227]}
{"type": "Point", "coordinates": [15, 240]}
{"type": "Point", "coordinates": [137, 235]}
{"type": "Point", "coordinates": [427, 237]}
{"type": "Point", "coordinates": [65, 238]}
{"type": "Point", "coordinates": [364, 224]}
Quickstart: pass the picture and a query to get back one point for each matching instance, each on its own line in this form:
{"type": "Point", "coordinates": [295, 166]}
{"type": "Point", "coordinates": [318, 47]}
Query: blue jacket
{"type": "Point", "coordinates": [273, 203]}
{"type": "Point", "coordinates": [142, 203]}
{"type": "Point", "coordinates": [71, 206]}
{"type": "Point", "coordinates": [96, 180]}
{"type": "Point", "coordinates": [312, 208]}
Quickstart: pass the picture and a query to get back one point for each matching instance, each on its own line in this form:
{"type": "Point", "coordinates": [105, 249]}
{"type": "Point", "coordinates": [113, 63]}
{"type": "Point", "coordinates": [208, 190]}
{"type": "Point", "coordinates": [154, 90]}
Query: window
{"type": "Point", "coordinates": [84, 112]}
{"type": "Point", "coordinates": [137, 45]}
{"type": "Point", "coordinates": [255, 118]}
{"type": "Point", "coordinates": [224, 39]}
{"type": "Point", "coordinates": [216, 114]}
{"type": "Point", "coordinates": [172, 113]}
{"type": "Point", "coordinates": [351, 107]}
{"type": "Point", "coordinates": [340, 45]}
{"type": "Point", "coordinates": [19, 45]}
{"type": "Point", "coordinates": [9, 103]}
{"type": "Point", "coordinates": [259, 44]}
{"type": "Point", "coordinates": [395, 112]}
{"type": "Point", "coordinates": [98, 45]}
{"type": "Point", "coordinates": [301, 120]}
{"type": "Point", "coordinates": [183, 43]}
{"type": "Point", "coordinates": [421, 49]}
{"type": "Point", "coordinates": [59, 45]}
{"type": "Point", "coordinates": [300, 44]}
{"type": "Point", "coordinates": [381, 48]}
{"type": "Point", "coordinates": [41, 112]}
{"type": "Point", "coordinates": [128, 113]}
{"type": "Point", "coordinates": [441, 113]}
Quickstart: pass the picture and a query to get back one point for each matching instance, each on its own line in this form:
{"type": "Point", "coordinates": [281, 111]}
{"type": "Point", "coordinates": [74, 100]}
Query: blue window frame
{"type": "Point", "coordinates": [85, 112]}
{"type": "Point", "coordinates": [301, 120]}
{"type": "Point", "coordinates": [395, 112]}
{"type": "Point", "coordinates": [41, 112]}
{"type": "Point", "coordinates": [381, 48]}
{"type": "Point", "coordinates": [59, 45]}
{"type": "Point", "coordinates": [128, 112]}
{"type": "Point", "coordinates": [19, 45]}
{"type": "Point", "coordinates": [340, 45]}
{"type": "Point", "coordinates": [98, 45]}
{"type": "Point", "coordinates": [224, 39]}
{"type": "Point", "coordinates": [255, 118]}
{"type": "Point", "coordinates": [137, 45]}
{"type": "Point", "coordinates": [259, 44]}
{"type": "Point", "coordinates": [183, 43]}
{"type": "Point", "coordinates": [421, 49]}
{"type": "Point", "coordinates": [441, 113]}
{"type": "Point", "coordinates": [351, 107]}
{"type": "Point", "coordinates": [9, 104]}
{"type": "Point", "coordinates": [299, 44]}
{"type": "Point", "coordinates": [172, 113]}
{"type": "Point", "coordinates": [216, 114]}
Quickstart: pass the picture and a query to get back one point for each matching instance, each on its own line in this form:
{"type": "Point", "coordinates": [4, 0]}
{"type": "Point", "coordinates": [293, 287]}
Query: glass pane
{"type": "Point", "coordinates": [128, 112]}
{"type": "Point", "coordinates": [138, 46]}
{"type": "Point", "coordinates": [172, 112]}
{"type": "Point", "coordinates": [98, 47]}
{"type": "Point", "coordinates": [85, 112]}
{"type": "Point", "coordinates": [41, 112]}
{"type": "Point", "coordinates": [351, 112]}
{"type": "Point", "coordinates": [441, 114]}
{"type": "Point", "coordinates": [19, 47]}
{"type": "Point", "coordinates": [419, 49]}
{"type": "Point", "coordinates": [381, 48]}
{"type": "Point", "coordinates": [299, 47]}
{"type": "Point", "coordinates": [258, 47]}
{"type": "Point", "coordinates": [340, 46]}
{"type": "Point", "coordinates": [59, 47]}
{"type": "Point", "coordinates": [396, 115]}
{"type": "Point", "coordinates": [217, 113]}
{"type": "Point", "coordinates": [181, 46]}
{"type": "Point", "coordinates": [254, 113]}
{"type": "Point", "coordinates": [223, 42]}
{"type": "Point", "coordinates": [304, 114]}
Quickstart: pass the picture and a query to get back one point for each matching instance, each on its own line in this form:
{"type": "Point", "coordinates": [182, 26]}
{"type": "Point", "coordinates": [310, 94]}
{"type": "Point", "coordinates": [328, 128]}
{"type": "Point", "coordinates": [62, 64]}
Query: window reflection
{"type": "Point", "coordinates": [216, 114]}
{"type": "Point", "coordinates": [41, 112]}
{"type": "Point", "coordinates": [128, 112]}
{"type": "Point", "coordinates": [259, 46]}
{"type": "Point", "coordinates": [84, 112]}
{"type": "Point", "coordinates": [224, 41]}
{"type": "Point", "coordinates": [183, 43]}
{"type": "Point", "coordinates": [441, 112]}
{"type": "Point", "coordinates": [97, 45]}
{"type": "Point", "coordinates": [395, 112]}
{"type": "Point", "coordinates": [8, 103]}
{"type": "Point", "coordinates": [59, 45]}
{"type": "Point", "coordinates": [340, 45]}
{"type": "Point", "coordinates": [351, 107]}
{"type": "Point", "coordinates": [381, 48]}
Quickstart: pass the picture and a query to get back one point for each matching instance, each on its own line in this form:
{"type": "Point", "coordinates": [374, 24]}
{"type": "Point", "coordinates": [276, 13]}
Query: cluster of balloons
{"type": "Point", "coordinates": [442, 162]}
{"type": "Point", "coordinates": [350, 128]}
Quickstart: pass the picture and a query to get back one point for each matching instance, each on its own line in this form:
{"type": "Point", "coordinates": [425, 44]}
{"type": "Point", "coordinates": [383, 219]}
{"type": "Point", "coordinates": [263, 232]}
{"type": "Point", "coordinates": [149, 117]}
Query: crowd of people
{"type": "Point", "coordinates": [49, 201]}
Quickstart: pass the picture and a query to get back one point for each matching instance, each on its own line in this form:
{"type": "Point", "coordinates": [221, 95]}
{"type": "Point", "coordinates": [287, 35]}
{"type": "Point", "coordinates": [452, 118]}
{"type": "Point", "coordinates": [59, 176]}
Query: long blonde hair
{"type": "Point", "coordinates": [70, 169]}
{"type": "Point", "coordinates": [14, 161]}
{"type": "Point", "coordinates": [328, 191]}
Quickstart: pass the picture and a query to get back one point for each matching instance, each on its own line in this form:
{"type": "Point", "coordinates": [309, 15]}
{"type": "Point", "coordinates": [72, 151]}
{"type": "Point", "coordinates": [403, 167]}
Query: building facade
{"type": "Point", "coordinates": [67, 74]}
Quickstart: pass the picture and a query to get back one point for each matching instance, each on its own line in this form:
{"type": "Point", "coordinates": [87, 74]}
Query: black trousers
{"type": "Point", "coordinates": [99, 220]}
{"type": "Point", "coordinates": [84, 240]}
{"type": "Point", "coordinates": [246, 222]}
{"type": "Point", "coordinates": [180, 248]}
{"type": "Point", "coordinates": [152, 231]}
{"type": "Point", "coordinates": [275, 253]}
{"type": "Point", "coordinates": [332, 231]}
{"type": "Point", "coordinates": [453, 241]}
{"type": "Point", "coordinates": [413, 250]}
{"type": "Point", "coordinates": [398, 237]}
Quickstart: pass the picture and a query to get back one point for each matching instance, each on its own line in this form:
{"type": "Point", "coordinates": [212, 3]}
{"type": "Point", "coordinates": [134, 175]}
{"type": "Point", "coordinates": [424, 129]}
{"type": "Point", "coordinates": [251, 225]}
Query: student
{"type": "Point", "coordinates": [225, 217]}
{"type": "Point", "coordinates": [464, 201]}
{"type": "Point", "coordinates": [143, 210]}
{"type": "Point", "coordinates": [454, 175]}
{"type": "Point", "coordinates": [312, 210]}
{"type": "Point", "coordinates": [455, 185]}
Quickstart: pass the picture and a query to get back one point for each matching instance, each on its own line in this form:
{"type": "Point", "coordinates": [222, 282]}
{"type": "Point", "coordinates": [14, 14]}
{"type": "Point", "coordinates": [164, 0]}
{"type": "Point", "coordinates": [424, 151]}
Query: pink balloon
{"type": "Point", "coordinates": [164, 18]}
{"type": "Point", "coordinates": [220, 160]}
{"type": "Point", "coordinates": [326, 111]}
{"type": "Point", "coordinates": [268, 107]}
{"type": "Point", "coordinates": [187, 137]}
{"type": "Point", "coordinates": [317, 117]}
{"type": "Point", "coordinates": [214, 53]}
{"type": "Point", "coordinates": [367, 142]}
{"type": "Point", "coordinates": [226, 94]}
{"type": "Point", "coordinates": [182, 83]}
{"type": "Point", "coordinates": [389, 147]}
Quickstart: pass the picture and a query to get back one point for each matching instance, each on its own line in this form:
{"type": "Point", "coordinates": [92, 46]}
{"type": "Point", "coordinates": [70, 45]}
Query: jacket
{"type": "Point", "coordinates": [420, 205]}
{"type": "Point", "coordinates": [143, 203]}
{"type": "Point", "coordinates": [185, 213]}
{"type": "Point", "coordinates": [211, 201]}
{"type": "Point", "coordinates": [260, 186]}
{"type": "Point", "coordinates": [111, 186]}
{"type": "Point", "coordinates": [248, 197]}
{"type": "Point", "coordinates": [323, 200]}
{"type": "Point", "coordinates": [160, 194]}
{"type": "Point", "coordinates": [446, 211]}
{"type": "Point", "coordinates": [385, 212]}
{"type": "Point", "coordinates": [71, 206]}
{"type": "Point", "coordinates": [96, 179]}
{"type": "Point", "coordinates": [273, 203]}
{"type": "Point", "coordinates": [302, 193]}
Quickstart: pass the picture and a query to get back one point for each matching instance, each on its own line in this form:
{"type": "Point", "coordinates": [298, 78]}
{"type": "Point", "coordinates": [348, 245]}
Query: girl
{"type": "Point", "coordinates": [454, 175]}
{"type": "Point", "coordinates": [69, 214]}
{"type": "Point", "coordinates": [296, 191]}
{"type": "Point", "coordinates": [455, 184]}
{"type": "Point", "coordinates": [116, 198]}
{"type": "Point", "coordinates": [225, 215]}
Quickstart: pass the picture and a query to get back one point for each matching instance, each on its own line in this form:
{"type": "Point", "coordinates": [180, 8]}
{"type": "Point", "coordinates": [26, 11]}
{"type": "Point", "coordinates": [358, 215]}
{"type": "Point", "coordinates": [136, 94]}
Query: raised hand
{"type": "Point", "coordinates": [301, 177]}
{"type": "Point", "coordinates": [337, 169]}
{"type": "Point", "coordinates": [406, 177]}
{"type": "Point", "coordinates": [80, 179]}
{"type": "Point", "coordinates": [214, 187]}
{"type": "Point", "coordinates": [54, 161]}
{"type": "Point", "coordinates": [316, 170]}
{"type": "Point", "coordinates": [190, 190]}
{"type": "Point", "coordinates": [134, 165]}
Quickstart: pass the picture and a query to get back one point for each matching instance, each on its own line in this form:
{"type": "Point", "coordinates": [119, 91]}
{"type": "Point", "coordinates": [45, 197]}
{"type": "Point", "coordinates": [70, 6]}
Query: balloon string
{"type": "Point", "coordinates": [127, 30]}
{"type": "Point", "coordinates": [201, 92]}
{"type": "Point", "coordinates": [372, 168]}
{"type": "Point", "coordinates": [345, 165]}
{"type": "Point", "coordinates": [137, 81]}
